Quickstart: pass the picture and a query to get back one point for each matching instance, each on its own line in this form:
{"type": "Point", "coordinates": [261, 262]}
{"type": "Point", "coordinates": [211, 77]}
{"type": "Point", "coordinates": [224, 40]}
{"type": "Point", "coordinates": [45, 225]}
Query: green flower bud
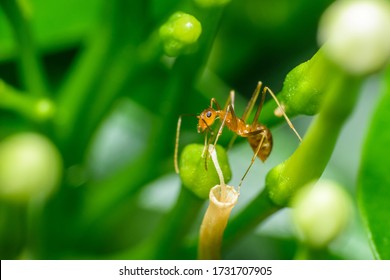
{"type": "Point", "coordinates": [279, 188]}
{"type": "Point", "coordinates": [193, 171]}
{"type": "Point", "coordinates": [180, 34]}
{"type": "Point", "coordinates": [321, 212]}
{"type": "Point", "coordinates": [44, 109]}
{"type": "Point", "coordinates": [356, 35]}
{"type": "Point", "coordinates": [30, 166]}
{"type": "Point", "coordinates": [211, 3]}
{"type": "Point", "coordinates": [305, 86]}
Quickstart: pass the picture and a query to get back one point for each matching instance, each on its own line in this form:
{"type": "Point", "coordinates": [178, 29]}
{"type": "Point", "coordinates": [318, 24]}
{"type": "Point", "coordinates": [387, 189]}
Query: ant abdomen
{"type": "Point", "coordinates": [264, 135]}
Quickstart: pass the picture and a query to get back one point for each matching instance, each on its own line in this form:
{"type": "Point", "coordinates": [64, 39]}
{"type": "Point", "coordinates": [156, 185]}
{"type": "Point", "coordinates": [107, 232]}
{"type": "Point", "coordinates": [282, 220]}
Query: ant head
{"type": "Point", "coordinates": [206, 119]}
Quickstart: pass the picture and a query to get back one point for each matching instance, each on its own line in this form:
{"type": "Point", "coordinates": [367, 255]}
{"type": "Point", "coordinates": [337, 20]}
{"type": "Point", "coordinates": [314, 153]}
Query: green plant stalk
{"type": "Point", "coordinates": [31, 69]}
{"type": "Point", "coordinates": [13, 230]}
{"type": "Point", "coordinates": [86, 75]}
{"type": "Point", "coordinates": [120, 72]}
{"type": "Point", "coordinates": [259, 209]}
{"type": "Point", "coordinates": [166, 240]}
{"type": "Point", "coordinates": [128, 181]}
{"type": "Point", "coordinates": [34, 241]}
{"type": "Point", "coordinates": [116, 189]}
{"type": "Point", "coordinates": [169, 236]}
{"type": "Point", "coordinates": [14, 100]}
{"type": "Point", "coordinates": [72, 95]}
{"type": "Point", "coordinates": [307, 163]}
{"type": "Point", "coordinates": [305, 252]}
{"type": "Point", "coordinates": [114, 52]}
{"type": "Point", "coordinates": [310, 159]}
{"type": "Point", "coordinates": [56, 228]}
{"type": "Point", "coordinates": [33, 108]}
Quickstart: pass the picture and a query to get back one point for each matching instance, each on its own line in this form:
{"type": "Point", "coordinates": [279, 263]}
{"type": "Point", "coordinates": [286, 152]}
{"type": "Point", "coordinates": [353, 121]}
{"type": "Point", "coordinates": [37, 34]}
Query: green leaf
{"type": "Point", "coordinates": [374, 179]}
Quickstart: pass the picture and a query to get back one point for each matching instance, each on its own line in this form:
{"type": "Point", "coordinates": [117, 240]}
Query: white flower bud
{"type": "Point", "coordinates": [356, 35]}
{"type": "Point", "coordinates": [30, 166]}
{"type": "Point", "coordinates": [321, 212]}
{"type": "Point", "coordinates": [44, 109]}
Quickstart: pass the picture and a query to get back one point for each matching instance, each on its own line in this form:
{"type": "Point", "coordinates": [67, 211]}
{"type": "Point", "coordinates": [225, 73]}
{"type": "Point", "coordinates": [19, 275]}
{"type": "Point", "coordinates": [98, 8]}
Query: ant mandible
{"type": "Point", "coordinates": [258, 135]}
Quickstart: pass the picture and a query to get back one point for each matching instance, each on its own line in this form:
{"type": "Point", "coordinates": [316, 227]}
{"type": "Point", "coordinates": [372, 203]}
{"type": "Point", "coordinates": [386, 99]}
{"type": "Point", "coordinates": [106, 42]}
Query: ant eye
{"type": "Point", "coordinates": [208, 114]}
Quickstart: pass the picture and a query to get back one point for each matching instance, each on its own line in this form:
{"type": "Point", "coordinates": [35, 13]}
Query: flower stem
{"type": "Point", "coordinates": [170, 234]}
{"type": "Point", "coordinates": [13, 229]}
{"type": "Point", "coordinates": [254, 213]}
{"type": "Point", "coordinates": [167, 238]}
{"type": "Point", "coordinates": [31, 69]}
{"type": "Point", "coordinates": [310, 159]}
{"type": "Point", "coordinates": [31, 107]}
{"type": "Point", "coordinates": [222, 200]}
{"type": "Point", "coordinates": [215, 221]}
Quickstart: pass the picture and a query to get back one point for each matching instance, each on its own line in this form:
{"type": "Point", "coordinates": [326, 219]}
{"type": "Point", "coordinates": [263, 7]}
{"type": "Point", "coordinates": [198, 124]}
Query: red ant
{"type": "Point", "coordinates": [258, 135]}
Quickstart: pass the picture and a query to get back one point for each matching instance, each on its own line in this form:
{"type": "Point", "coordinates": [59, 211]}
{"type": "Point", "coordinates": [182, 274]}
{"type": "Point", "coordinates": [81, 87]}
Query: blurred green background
{"type": "Point", "coordinates": [118, 101]}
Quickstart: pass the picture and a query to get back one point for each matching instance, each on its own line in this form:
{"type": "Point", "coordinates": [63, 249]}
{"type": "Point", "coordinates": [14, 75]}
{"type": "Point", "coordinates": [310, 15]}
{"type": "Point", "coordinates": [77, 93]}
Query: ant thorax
{"type": "Point", "coordinates": [235, 124]}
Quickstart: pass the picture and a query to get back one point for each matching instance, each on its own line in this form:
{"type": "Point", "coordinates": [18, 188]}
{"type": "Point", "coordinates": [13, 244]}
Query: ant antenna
{"type": "Point", "coordinates": [177, 145]}
{"type": "Point", "coordinates": [176, 163]}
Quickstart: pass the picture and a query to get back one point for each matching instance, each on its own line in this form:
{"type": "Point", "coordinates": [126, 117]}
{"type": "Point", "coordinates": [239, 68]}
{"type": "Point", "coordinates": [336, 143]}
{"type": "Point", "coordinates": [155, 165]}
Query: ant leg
{"type": "Point", "coordinates": [232, 119]}
{"type": "Point", "coordinates": [205, 146]}
{"type": "Point", "coordinates": [252, 161]}
{"type": "Point", "coordinates": [249, 108]}
{"type": "Point", "coordinates": [229, 106]}
{"type": "Point", "coordinates": [177, 145]}
{"type": "Point", "coordinates": [205, 153]}
{"type": "Point", "coordinates": [222, 125]}
{"type": "Point", "coordinates": [251, 102]}
{"type": "Point", "coordinates": [214, 101]}
{"type": "Point", "coordinates": [230, 100]}
{"type": "Point", "coordinates": [207, 141]}
{"type": "Point", "coordinates": [259, 108]}
{"type": "Point", "coordinates": [283, 112]}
